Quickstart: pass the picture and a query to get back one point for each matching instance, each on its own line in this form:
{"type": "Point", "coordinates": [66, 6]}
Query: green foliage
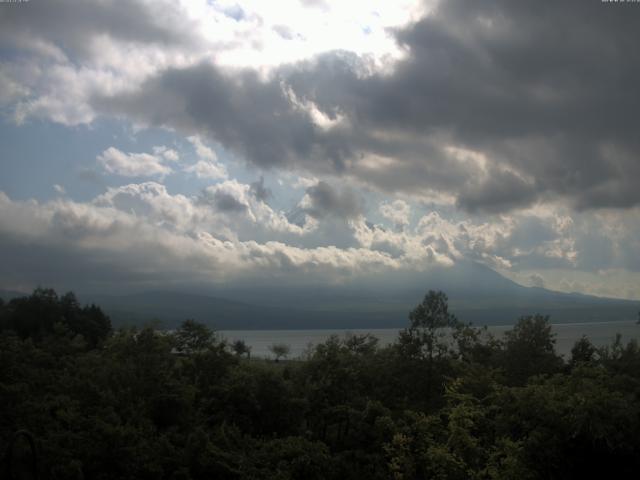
{"type": "Point", "coordinates": [446, 401]}
{"type": "Point", "coordinates": [529, 349]}
{"type": "Point", "coordinates": [431, 323]}
{"type": "Point", "coordinates": [425, 348]}
{"type": "Point", "coordinates": [193, 337]}
{"type": "Point", "coordinates": [37, 316]}
{"type": "Point", "coordinates": [583, 351]}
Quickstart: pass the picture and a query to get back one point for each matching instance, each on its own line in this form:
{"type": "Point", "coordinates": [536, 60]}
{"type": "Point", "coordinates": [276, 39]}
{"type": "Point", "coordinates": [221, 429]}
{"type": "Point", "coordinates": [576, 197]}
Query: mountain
{"type": "Point", "coordinates": [476, 293]}
{"type": "Point", "coordinates": [171, 308]}
{"type": "Point", "coordinates": [7, 295]}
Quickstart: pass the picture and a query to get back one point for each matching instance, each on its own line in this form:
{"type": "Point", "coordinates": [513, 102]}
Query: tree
{"type": "Point", "coordinates": [361, 344]}
{"type": "Point", "coordinates": [37, 315]}
{"type": "Point", "coordinates": [430, 322]}
{"type": "Point", "coordinates": [424, 344]}
{"type": "Point", "coordinates": [193, 337]}
{"type": "Point", "coordinates": [529, 349]}
{"type": "Point", "coordinates": [241, 348]}
{"type": "Point", "coordinates": [280, 350]}
{"type": "Point", "coordinates": [583, 351]}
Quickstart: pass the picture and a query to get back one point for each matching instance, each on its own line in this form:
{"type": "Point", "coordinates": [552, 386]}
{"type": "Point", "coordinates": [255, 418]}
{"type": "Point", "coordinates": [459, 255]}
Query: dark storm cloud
{"type": "Point", "coordinates": [501, 191]}
{"type": "Point", "coordinates": [259, 191]}
{"type": "Point", "coordinates": [70, 24]}
{"type": "Point", "coordinates": [251, 116]}
{"type": "Point", "coordinates": [325, 200]}
{"type": "Point", "coordinates": [226, 202]}
{"type": "Point", "coordinates": [503, 68]}
{"type": "Point", "coordinates": [545, 92]}
{"type": "Point", "coordinates": [550, 91]}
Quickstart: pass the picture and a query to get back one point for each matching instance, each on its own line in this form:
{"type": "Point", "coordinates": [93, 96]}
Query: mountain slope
{"type": "Point", "coordinates": [477, 294]}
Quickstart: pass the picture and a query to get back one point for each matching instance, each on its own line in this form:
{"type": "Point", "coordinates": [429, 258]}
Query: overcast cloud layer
{"type": "Point", "coordinates": [418, 134]}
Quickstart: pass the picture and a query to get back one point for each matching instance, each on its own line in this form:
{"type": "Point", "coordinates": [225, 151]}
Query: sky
{"type": "Point", "coordinates": [148, 144]}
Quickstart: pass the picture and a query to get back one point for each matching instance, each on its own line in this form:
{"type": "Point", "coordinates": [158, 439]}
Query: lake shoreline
{"type": "Point", "coordinates": [600, 334]}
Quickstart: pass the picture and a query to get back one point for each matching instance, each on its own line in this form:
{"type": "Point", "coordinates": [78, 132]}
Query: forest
{"type": "Point", "coordinates": [446, 400]}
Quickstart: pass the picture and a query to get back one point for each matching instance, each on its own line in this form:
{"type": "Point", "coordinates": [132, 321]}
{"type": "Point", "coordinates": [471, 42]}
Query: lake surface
{"type": "Point", "coordinates": [600, 334]}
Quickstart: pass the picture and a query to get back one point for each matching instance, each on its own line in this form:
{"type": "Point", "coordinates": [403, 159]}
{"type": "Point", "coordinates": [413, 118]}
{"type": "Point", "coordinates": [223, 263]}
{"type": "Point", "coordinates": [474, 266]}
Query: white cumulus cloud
{"type": "Point", "coordinates": [132, 164]}
{"type": "Point", "coordinates": [397, 212]}
{"type": "Point", "coordinates": [205, 169]}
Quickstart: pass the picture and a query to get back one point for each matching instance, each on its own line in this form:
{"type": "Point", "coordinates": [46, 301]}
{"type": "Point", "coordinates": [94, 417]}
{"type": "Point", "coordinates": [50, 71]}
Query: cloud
{"type": "Point", "coordinates": [455, 92]}
{"type": "Point", "coordinates": [244, 113]}
{"type": "Point", "coordinates": [118, 238]}
{"type": "Point", "coordinates": [397, 212]}
{"type": "Point", "coordinates": [168, 154]}
{"type": "Point", "coordinates": [518, 154]}
{"type": "Point", "coordinates": [132, 164]}
{"type": "Point", "coordinates": [247, 217]}
{"type": "Point", "coordinates": [468, 80]}
{"type": "Point", "coordinates": [203, 151]}
{"type": "Point", "coordinates": [207, 165]}
{"type": "Point", "coordinates": [205, 169]}
{"type": "Point", "coordinates": [500, 190]}
{"type": "Point", "coordinates": [322, 200]}
{"type": "Point", "coordinates": [228, 197]}
{"type": "Point", "coordinates": [152, 201]}
{"type": "Point", "coordinates": [71, 25]}
{"type": "Point", "coordinates": [259, 191]}
{"type": "Point", "coordinates": [141, 234]}
{"type": "Point", "coordinates": [536, 280]}
{"type": "Point", "coordinates": [12, 91]}
{"type": "Point", "coordinates": [62, 53]}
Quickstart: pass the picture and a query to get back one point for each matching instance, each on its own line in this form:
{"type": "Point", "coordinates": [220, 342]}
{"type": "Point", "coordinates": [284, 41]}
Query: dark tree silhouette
{"type": "Point", "coordinates": [240, 348]}
{"type": "Point", "coordinates": [583, 351]}
{"type": "Point", "coordinates": [427, 406]}
{"type": "Point", "coordinates": [529, 349]}
{"type": "Point", "coordinates": [37, 315]}
{"type": "Point", "coordinates": [193, 337]}
{"type": "Point", "coordinates": [431, 323]}
{"type": "Point", "coordinates": [280, 350]}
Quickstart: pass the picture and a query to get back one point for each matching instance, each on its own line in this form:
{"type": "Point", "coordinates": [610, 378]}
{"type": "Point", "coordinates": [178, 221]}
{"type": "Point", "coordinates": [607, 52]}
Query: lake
{"type": "Point", "coordinates": [600, 334]}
